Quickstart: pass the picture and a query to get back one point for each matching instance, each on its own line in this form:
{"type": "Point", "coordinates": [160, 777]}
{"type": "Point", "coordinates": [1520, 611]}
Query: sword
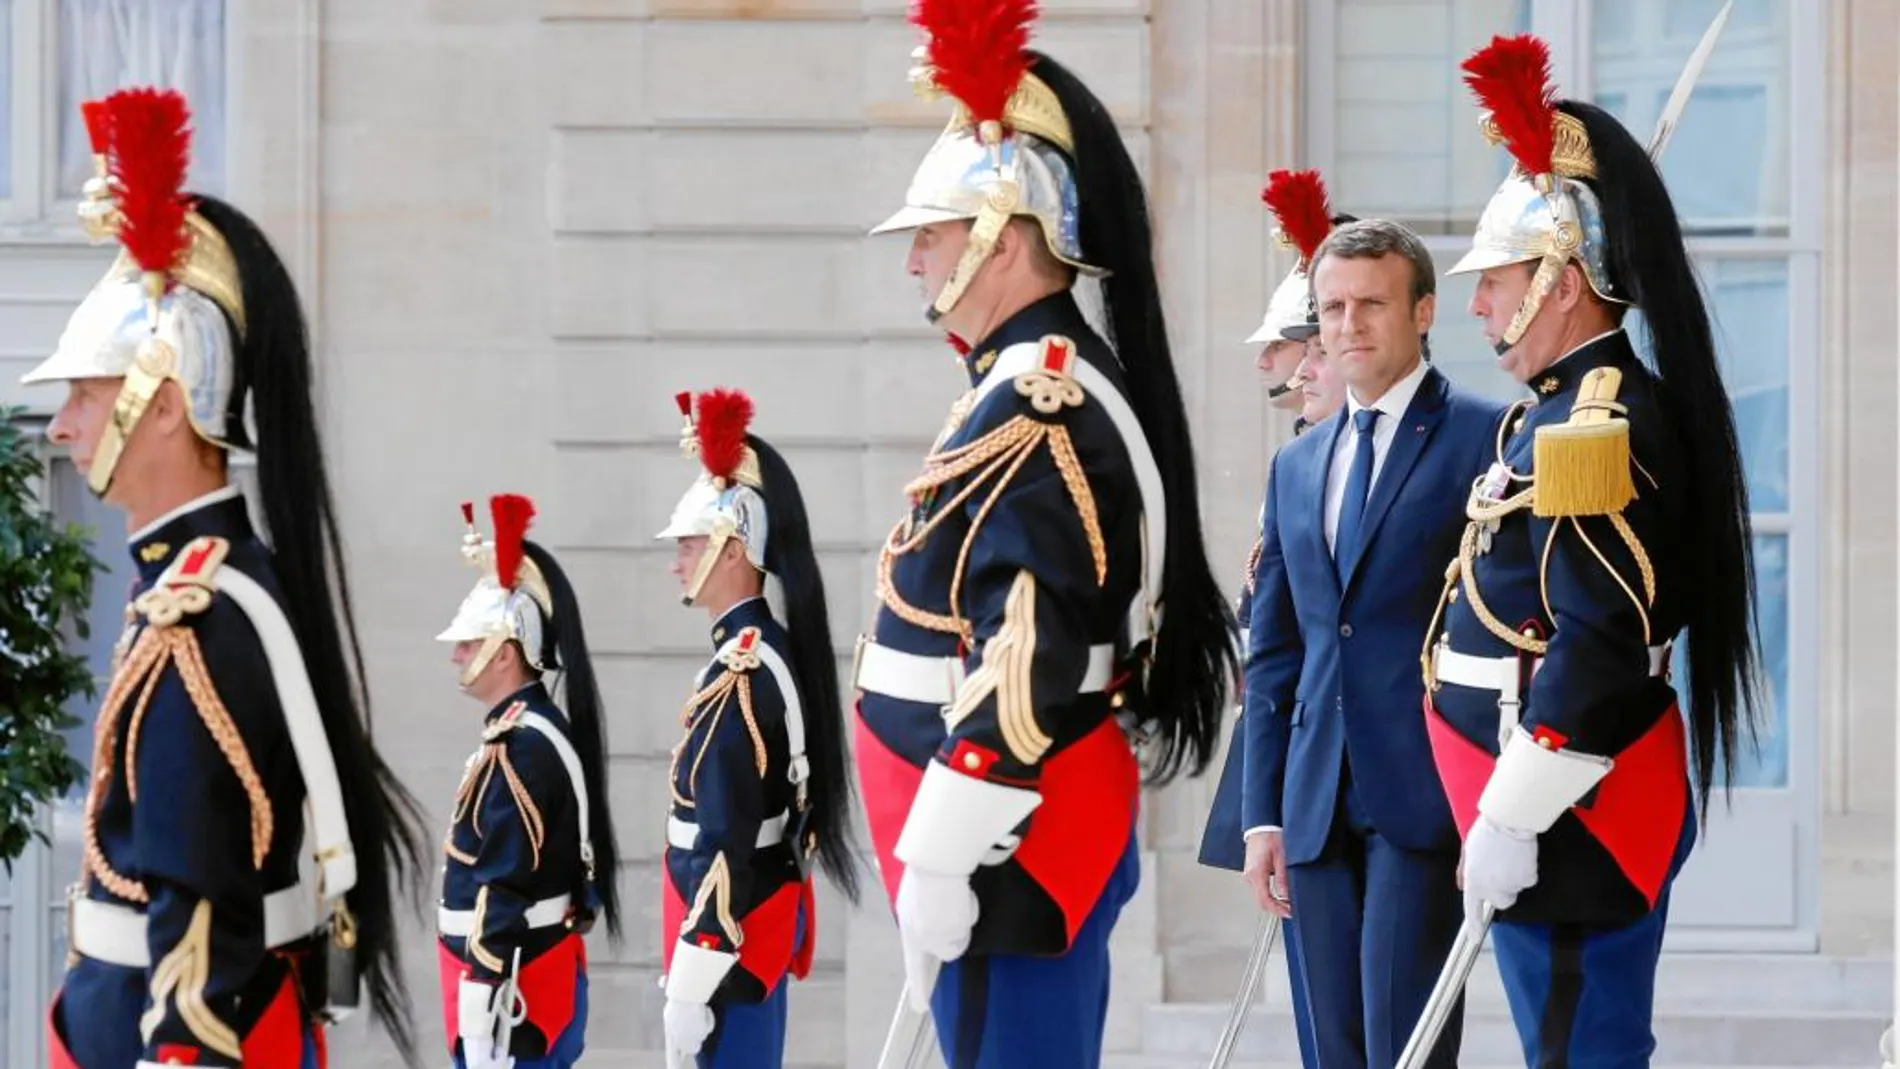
{"type": "Point", "coordinates": [1256, 968]}
{"type": "Point", "coordinates": [1445, 993]}
{"type": "Point", "coordinates": [907, 1044]}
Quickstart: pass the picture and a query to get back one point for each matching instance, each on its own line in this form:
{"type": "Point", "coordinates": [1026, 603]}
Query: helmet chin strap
{"type": "Point", "coordinates": [998, 206]}
{"type": "Point", "coordinates": [1559, 247]}
{"type": "Point", "coordinates": [723, 529]}
{"type": "Point", "coordinates": [479, 663]}
{"type": "Point", "coordinates": [154, 363]}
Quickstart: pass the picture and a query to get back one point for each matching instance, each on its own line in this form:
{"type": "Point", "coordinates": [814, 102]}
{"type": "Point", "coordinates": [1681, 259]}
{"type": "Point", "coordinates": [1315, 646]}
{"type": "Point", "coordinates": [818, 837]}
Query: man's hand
{"type": "Point", "coordinates": [935, 914]}
{"type": "Point", "coordinates": [687, 1026]}
{"type": "Point", "coordinates": [1500, 863]}
{"type": "Point", "coordinates": [1265, 872]}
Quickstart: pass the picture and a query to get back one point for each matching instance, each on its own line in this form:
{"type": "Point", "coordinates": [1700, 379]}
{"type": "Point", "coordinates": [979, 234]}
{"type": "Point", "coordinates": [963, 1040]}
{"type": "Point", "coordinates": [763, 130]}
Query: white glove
{"type": "Point", "coordinates": [687, 1026]}
{"type": "Point", "coordinates": [1500, 863]}
{"type": "Point", "coordinates": [479, 1052]}
{"type": "Point", "coordinates": [935, 914]}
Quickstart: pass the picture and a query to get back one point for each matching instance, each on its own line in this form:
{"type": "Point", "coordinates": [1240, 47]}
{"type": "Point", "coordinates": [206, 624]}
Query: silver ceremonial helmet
{"type": "Point", "coordinates": [723, 504]}
{"type": "Point", "coordinates": [991, 172]}
{"type": "Point", "coordinates": [511, 601]}
{"type": "Point", "coordinates": [148, 327]}
{"type": "Point", "coordinates": [1548, 218]}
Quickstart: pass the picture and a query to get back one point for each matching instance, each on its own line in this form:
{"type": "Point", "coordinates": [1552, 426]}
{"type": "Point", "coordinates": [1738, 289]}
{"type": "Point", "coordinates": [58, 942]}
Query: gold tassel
{"type": "Point", "coordinates": [1583, 465]}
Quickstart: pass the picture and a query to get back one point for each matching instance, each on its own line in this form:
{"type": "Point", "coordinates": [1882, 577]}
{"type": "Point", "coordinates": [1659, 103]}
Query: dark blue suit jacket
{"type": "Point", "coordinates": [1334, 672]}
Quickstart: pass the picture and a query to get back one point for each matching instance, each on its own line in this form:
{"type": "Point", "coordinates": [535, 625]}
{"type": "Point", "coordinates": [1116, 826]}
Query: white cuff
{"type": "Point", "coordinates": [697, 972]}
{"type": "Point", "coordinates": [475, 1014]}
{"type": "Point", "coordinates": [1261, 830]}
{"type": "Point", "coordinates": [1533, 785]}
{"type": "Point", "coordinates": [956, 819]}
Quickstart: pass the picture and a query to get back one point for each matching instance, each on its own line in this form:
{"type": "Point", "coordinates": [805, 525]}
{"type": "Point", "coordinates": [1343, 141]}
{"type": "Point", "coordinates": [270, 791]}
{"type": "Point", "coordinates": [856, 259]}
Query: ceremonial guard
{"type": "Point", "coordinates": [1022, 631]}
{"type": "Point", "coordinates": [241, 835]}
{"type": "Point", "coordinates": [759, 789]}
{"type": "Point", "coordinates": [1287, 334]}
{"type": "Point", "coordinates": [531, 859]}
{"type": "Point", "coordinates": [1613, 522]}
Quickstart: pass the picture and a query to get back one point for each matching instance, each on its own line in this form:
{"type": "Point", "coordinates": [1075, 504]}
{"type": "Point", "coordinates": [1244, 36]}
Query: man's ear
{"type": "Point", "coordinates": [168, 413]}
{"type": "Point", "coordinates": [1572, 287]}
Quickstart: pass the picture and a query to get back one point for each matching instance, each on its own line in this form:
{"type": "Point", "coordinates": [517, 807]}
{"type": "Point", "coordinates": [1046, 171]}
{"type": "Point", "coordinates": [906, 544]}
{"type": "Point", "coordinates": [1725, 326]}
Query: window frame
{"type": "Point", "coordinates": [35, 212]}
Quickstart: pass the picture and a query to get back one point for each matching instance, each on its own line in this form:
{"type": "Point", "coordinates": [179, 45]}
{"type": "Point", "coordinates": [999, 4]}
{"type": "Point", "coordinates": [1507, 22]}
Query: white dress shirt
{"type": "Point", "coordinates": [1391, 407]}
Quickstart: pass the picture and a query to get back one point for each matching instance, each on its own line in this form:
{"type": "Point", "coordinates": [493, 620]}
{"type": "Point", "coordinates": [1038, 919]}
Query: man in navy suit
{"type": "Point", "coordinates": [1340, 798]}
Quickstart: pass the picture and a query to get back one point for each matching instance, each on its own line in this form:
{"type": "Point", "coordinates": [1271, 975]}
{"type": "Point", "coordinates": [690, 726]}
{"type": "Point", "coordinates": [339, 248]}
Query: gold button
{"type": "Point", "coordinates": [1544, 741]}
{"type": "Point", "coordinates": [972, 761]}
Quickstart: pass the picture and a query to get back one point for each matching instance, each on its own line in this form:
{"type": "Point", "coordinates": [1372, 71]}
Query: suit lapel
{"type": "Point", "coordinates": [1408, 444]}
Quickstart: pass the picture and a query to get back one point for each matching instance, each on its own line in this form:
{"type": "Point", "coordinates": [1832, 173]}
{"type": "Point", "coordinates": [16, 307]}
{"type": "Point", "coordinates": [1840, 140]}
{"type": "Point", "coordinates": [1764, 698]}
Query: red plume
{"type": "Point", "coordinates": [684, 399]}
{"type": "Point", "coordinates": [1298, 201]}
{"type": "Point", "coordinates": [512, 513]}
{"type": "Point", "coordinates": [468, 513]}
{"type": "Point", "coordinates": [724, 416]}
{"type": "Point", "coordinates": [151, 149]}
{"type": "Point", "coordinates": [976, 49]}
{"type": "Point", "coordinates": [1511, 79]}
{"type": "Point", "coordinates": [98, 125]}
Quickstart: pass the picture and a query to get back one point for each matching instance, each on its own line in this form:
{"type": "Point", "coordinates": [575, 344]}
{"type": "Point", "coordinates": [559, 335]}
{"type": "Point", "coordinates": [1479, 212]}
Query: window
{"type": "Point", "coordinates": [58, 53]}
{"type": "Point", "coordinates": [1394, 129]}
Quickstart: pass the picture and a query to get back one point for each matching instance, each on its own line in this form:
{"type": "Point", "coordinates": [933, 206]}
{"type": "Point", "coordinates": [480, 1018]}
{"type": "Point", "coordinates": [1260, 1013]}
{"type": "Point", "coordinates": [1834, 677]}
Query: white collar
{"type": "Point", "coordinates": [223, 493]}
{"type": "Point", "coordinates": [1396, 400]}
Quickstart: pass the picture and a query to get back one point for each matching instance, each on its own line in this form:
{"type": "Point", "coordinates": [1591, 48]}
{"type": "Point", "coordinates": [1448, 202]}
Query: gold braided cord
{"type": "Point", "coordinates": [1543, 572]}
{"type": "Point", "coordinates": [751, 725]}
{"type": "Point", "coordinates": [1450, 590]}
{"type": "Point", "coordinates": [181, 976]}
{"type": "Point", "coordinates": [156, 648]}
{"type": "Point", "coordinates": [524, 804]}
{"type": "Point", "coordinates": [1070, 465]}
{"type": "Point", "coordinates": [132, 734]}
{"type": "Point", "coordinates": [451, 850]}
{"type": "Point", "coordinates": [969, 537]}
{"type": "Point", "coordinates": [1643, 564]}
{"type": "Point", "coordinates": [488, 776]}
{"type": "Point", "coordinates": [1467, 553]}
{"type": "Point", "coordinates": [1511, 414]}
{"type": "Point", "coordinates": [699, 708]}
{"type": "Point", "coordinates": [1614, 574]}
{"type": "Point", "coordinates": [217, 720]}
{"type": "Point", "coordinates": [149, 652]}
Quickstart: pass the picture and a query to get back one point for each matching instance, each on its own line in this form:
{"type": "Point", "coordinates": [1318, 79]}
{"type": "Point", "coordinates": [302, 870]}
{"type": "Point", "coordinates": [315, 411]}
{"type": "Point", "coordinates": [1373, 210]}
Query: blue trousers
{"type": "Point", "coordinates": [1375, 924]}
{"type": "Point", "coordinates": [1005, 1011]}
{"type": "Point", "coordinates": [751, 1035]}
{"type": "Point", "coordinates": [1582, 998]}
{"type": "Point", "coordinates": [568, 1046]}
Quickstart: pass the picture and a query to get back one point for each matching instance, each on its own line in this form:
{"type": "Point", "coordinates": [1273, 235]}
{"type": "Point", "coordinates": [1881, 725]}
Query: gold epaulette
{"type": "Point", "coordinates": [1583, 464]}
{"type": "Point", "coordinates": [743, 654]}
{"type": "Point", "coordinates": [186, 587]}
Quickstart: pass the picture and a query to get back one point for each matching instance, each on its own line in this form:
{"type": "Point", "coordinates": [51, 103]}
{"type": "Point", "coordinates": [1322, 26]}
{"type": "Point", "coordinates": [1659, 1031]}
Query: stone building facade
{"type": "Point", "coordinates": [522, 225]}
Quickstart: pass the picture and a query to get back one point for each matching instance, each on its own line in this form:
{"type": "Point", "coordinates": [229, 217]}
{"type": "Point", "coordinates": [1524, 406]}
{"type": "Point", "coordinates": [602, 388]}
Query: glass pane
{"type": "Point", "coordinates": [1749, 300]}
{"type": "Point", "coordinates": [1405, 130]}
{"type": "Point", "coordinates": [1727, 163]}
{"type": "Point", "coordinates": [106, 45]}
{"type": "Point", "coordinates": [1765, 764]}
{"type": "Point", "coordinates": [6, 115]}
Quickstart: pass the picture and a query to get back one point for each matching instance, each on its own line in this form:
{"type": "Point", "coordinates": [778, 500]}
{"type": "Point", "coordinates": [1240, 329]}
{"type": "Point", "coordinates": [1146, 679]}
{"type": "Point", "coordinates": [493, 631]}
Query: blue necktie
{"type": "Point", "coordinates": [1352, 511]}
